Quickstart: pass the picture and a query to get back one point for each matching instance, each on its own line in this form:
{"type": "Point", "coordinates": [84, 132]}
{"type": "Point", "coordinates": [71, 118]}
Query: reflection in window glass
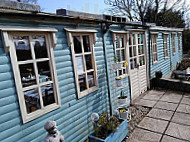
{"type": "Point", "coordinates": [117, 43]}
{"type": "Point", "coordinates": [134, 41]}
{"type": "Point", "coordinates": [86, 43]}
{"type": "Point", "coordinates": [134, 51]}
{"type": "Point", "coordinates": [32, 100]}
{"type": "Point", "coordinates": [39, 46]}
{"type": "Point", "coordinates": [88, 61]}
{"type": "Point", "coordinates": [91, 81]}
{"type": "Point", "coordinates": [121, 42]}
{"type": "Point", "coordinates": [118, 55]}
{"type": "Point", "coordinates": [22, 46]}
{"type": "Point", "coordinates": [82, 82]}
{"type": "Point", "coordinates": [123, 55]}
{"type": "Point", "coordinates": [48, 94]}
{"type": "Point", "coordinates": [130, 52]}
{"type": "Point", "coordinates": [79, 64]}
{"type": "Point", "coordinates": [44, 71]}
{"type": "Point", "coordinates": [77, 44]}
{"type": "Point", "coordinates": [27, 74]}
{"type": "Point", "coordinates": [131, 64]}
{"type": "Point", "coordinates": [130, 43]}
{"type": "Point", "coordinates": [141, 60]}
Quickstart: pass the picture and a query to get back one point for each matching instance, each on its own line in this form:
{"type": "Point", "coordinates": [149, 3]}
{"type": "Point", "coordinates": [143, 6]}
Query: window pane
{"type": "Point", "coordinates": [32, 100]}
{"type": "Point", "coordinates": [39, 46]}
{"type": "Point", "coordinates": [86, 43]}
{"type": "Point", "coordinates": [141, 38]}
{"type": "Point", "coordinates": [80, 64]}
{"type": "Point", "coordinates": [130, 40]}
{"type": "Point", "coordinates": [130, 52]}
{"type": "Point", "coordinates": [121, 42]}
{"type": "Point", "coordinates": [48, 94]}
{"type": "Point", "coordinates": [117, 43]}
{"type": "Point", "coordinates": [27, 74]}
{"type": "Point", "coordinates": [91, 80]}
{"type": "Point", "coordinates": [88, 62]}
{"type": "Point", "coordinates": [44, 71]}
{"type": "Point", "coordinates": [134, 41]}
{"type": "Point", "coordinates": [134, 51]}
{"type": "Point", "coordinates": [135, 63]}
{"type": "Point", "coordinates": [22, 46]}
{"type": "Point", "coordinates": [141, 61]}
{"type": "Point", "coordinates": [131, 64]}
{"type": "Point", "coordinates": [82, 82]}
{"type": "Point", "coordinates": [120, 72]}
{"type": "Point", "coordinates": [118, 55]}
{"type": "Point", "coordinates": [123, 55]}
{"type": "Point", "coordinates": [77, 44]}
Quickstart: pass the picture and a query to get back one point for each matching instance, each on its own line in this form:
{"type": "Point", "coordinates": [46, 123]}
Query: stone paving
{"type": "Point", "coordinates": [168, 120]}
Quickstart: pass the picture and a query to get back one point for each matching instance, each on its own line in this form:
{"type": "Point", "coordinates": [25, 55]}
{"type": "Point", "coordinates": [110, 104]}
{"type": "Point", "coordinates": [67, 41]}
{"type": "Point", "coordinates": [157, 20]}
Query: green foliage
{"type": "Point", "coordinates": [106, 125]}
{"type": "Point", "coordinates": [185, 63]}
{"type": "Point", "coordinates": [122, 95]}
{"type": "Point", "coordinates": [186, 41]}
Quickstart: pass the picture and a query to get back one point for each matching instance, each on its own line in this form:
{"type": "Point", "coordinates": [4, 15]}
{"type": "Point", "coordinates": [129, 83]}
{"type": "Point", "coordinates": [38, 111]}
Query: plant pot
{"type": "Point", "coordinates": [123, 115]}
{"type": "Point", "coordinates": [122, 101]}
{"type": "Point", "coordinates": [158, 74]}
{"type": "Point", "coordinates": [119, 82]}
{"type": "Point", "coordinates": [117, 136]}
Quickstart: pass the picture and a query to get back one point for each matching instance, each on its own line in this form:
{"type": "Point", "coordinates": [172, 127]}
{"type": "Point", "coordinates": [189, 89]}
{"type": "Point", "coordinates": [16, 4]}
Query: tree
{"type": "Point", "coordinates": [28, 1]}
{"type": "Point", "coordinates": [137, 10]}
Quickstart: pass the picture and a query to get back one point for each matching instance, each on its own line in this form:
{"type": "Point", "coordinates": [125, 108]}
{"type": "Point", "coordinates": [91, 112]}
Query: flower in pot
{"type": "Point", "coordinates": [119, 81]}
{"type": "Point", "coordinates": [122, 99]}
{"type": "Point", "coordinates": [117, 64]}
{"type": "Point", "coordinates": [124, 113]}
{"type": "Point", "coordinates": [109, 129]}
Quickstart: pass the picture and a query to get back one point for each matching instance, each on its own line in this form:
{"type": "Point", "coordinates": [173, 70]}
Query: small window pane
{"type": "Point", "coordinates": [86, 43]}
{"type": "Point", "coordinates": [32, 100]}
{"type": "Point", "coordinates": [121, 42]}
{"type": "Point", "coordinates": [80, 64]}
{"type": "Point", "coordinates": [130, 43]}
{"type": "Point", "coordinates": [141, 61]}
{"type": "Point", "coordinates": [82, 82]}
{"type": "Point", "coordinates": [39, 46]}
{"type": "Point", "coordinates": [134, 51]}
{"type": "Point", "coordinates": [117, 43]}
{"type": "Point", "coordinates": [123, 55]}
{"type": "Point", "coordinates": [44, 71]}
{"type": "Point", "coordinates": [131, 64]}
{"type": "Point", "coordinates": [48, 94]}
{"type": "Point", "coordinates": [27, 74]}
{"type": "Point", "coordinates": [22, 46]}
{"type": "Point", "coordinates": [130, 52]}
{"type": "Point", "coordinates": [77, 44]}
{"type": "Point", "coordinates": [88, 62]}
{"type": "Point", "coordinates": [91, 80]}
{"type": "Point", "coordinates": [135, 63]}
{"type": "Point", "coordinates": [134, 41]}
{"type": "Point", "coordinates": [118, 55]}
{"type": "Point", "coordinates": [120, 72]}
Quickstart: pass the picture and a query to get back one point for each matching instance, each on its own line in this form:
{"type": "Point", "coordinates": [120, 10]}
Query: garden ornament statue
{"type": "Point", "coordinates": [53, 134]}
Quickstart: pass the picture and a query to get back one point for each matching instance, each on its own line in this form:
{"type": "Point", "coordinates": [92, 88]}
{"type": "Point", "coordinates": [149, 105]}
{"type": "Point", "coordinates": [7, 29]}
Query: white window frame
{"type": "Point", "coordinates": [179, 41]}
{"type": "Point", "coordinates": [165, 43]}
{"type": "Point", "coordinates": [173, 43]}
{"type": "Point", "coordinates": [124, 35]}
{"type": "Point", "coordinates": [154, 48]}
{"type": "Point", "coordinates": [7, 35]}
{"type": "Point", "coordinates": [92, 36]}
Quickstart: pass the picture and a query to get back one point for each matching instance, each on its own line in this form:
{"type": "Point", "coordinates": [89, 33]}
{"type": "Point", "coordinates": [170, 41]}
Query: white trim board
{"type": "Point", "coordinates": [160, 28]}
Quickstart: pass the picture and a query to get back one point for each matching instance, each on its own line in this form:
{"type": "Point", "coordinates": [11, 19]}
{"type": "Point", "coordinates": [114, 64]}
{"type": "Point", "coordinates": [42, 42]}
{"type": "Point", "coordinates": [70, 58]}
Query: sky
{"type": "Point", "coordinates": [90, 6]}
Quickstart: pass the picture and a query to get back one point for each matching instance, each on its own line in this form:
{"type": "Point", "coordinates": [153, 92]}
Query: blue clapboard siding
{"type": "Point", "coordinates": [73, 117]}
{"type": "Point", "coordinates": [166, 65]}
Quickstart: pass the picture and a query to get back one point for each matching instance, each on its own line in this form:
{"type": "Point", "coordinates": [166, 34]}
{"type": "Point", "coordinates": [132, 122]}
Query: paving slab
{"type": "Point", "coordinates": [154, 125]}
{"type": "Point", "coordinates": [147, 103]}
{"type": "Point", "coordinates": [186, 100]}
{"type": "Point", "coordinates": [183, 108]}
{"type": "Point", "coordinates": [140, 135]}
{"type": "Point", "coordinates": [152, 97]}
{"type": "Point", "coordinates": [171, 97]}
{"type": "Point", "coordinates": [156, 92]}
{"type": "Point", "coordinates": [181, 118]}
{"type": "Point", "coordinates": [170, 139]}
{"type": "Point", "coordinates": [179, 131]}
{"type": "Point", "coordinates": [166, 105]}
{"type": "Point", "coordinates": [161, 114]}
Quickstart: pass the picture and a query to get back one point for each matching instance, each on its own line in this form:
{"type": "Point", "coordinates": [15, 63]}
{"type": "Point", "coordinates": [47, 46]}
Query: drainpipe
{"type": "Point", "coordinates": [170, 53]}
{"type": "Point", "coordinates": [104, 30]}
{"type": "Point", "coordinates": [149, 55]}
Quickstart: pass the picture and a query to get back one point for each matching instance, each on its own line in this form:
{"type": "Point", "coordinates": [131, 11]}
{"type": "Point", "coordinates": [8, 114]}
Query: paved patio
{"type": "Point", "coordinates": [168, 120]}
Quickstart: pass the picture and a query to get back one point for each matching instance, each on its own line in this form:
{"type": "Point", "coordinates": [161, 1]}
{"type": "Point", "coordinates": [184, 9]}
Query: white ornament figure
{"type": "Point", "coordinates": [53, 134]}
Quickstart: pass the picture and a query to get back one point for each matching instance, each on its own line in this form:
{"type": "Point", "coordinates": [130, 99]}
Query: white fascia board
{"type": "Point", "coordinates": [159, 28]}
{"type": "Point", "coordinates": [80, 30]}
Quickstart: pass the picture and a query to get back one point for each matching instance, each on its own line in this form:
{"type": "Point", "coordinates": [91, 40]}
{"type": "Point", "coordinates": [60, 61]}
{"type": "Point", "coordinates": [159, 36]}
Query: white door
{"type": "Point", "coordinates": [137, 64]}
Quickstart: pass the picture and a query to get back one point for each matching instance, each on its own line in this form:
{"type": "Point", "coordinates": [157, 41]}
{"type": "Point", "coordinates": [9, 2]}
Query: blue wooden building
{"type": "Point", "coordinates": [61, 67]}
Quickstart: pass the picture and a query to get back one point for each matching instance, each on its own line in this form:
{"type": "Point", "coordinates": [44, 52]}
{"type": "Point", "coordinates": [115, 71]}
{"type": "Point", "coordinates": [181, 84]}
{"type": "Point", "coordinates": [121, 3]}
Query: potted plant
{"type": "Point", "coordinates": [119, 81]}
{"type": "Point", "coordinates": [124, 113]}
{"type": "Point", "coordinates": [122, 99]}
{"type": "Point", "coordinates": [109, 129]}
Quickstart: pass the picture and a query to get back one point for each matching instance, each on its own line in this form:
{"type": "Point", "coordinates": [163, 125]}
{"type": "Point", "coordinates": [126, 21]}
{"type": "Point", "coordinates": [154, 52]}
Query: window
{"type": "Point", "coordinates": [34, 71]}
{"type": "Point", "coordinates": [120, 53]}
{"type": "Point", "coordinates": [179, 41]}
{"type": "Point", "coordinates": [173, 43]}
{"type": "Point", "coordinates": [154, 48]}
{"type": "Point", "coordinates": [82, 47]}
{"type": "Point", "coordinates": [165, 45]}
